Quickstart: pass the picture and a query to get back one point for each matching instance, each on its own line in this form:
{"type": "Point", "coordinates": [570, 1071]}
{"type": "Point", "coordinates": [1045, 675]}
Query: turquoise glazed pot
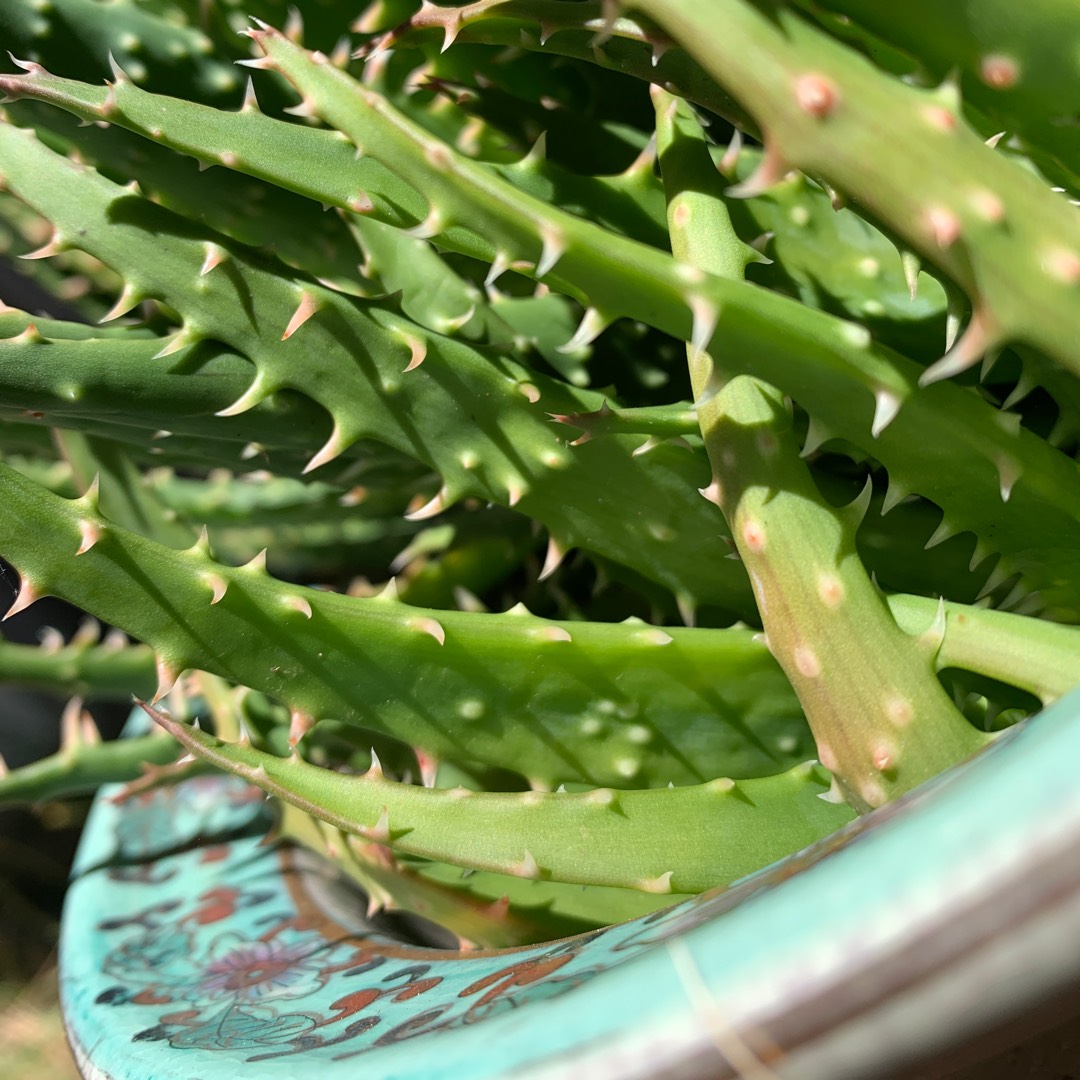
{"type": "Point", "coordinates": [191, 949]}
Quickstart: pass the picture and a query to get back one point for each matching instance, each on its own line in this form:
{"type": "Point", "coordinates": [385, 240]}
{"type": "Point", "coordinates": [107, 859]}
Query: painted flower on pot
{"type": "Point", "coordinates": [259, 970]}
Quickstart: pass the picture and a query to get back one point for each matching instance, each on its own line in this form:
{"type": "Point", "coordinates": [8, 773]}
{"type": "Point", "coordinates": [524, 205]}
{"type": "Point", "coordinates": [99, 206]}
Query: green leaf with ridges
{"type": "Point", "coordinates": [125, 496]}
{"type": "Point", "coordinates": [481, 422]}
{"type": "Point", "coordinates": [1032, 654]}
{"type": "Point", "coordinates": [107, 380]}
{"type": "Point", "coordinates": [597, 904]}
{"type": "Point", "coordinates": [599, 703]}
{"type": "Point", "coordinates": [80, 770]}
{"type": "Point", "coordinates": [249, 210]}
{"type": "Point", "coordinates": [1005, 61]}
{"type": "Point", "coordinates": [151, 47]}
{"type": "Point", "coordinates": [851, 387]}
{"type": "Point", "coordinates": [478, 921]}
{"type": "Point", "coordinates": [573, 30]}
{"type": "Point", "coordinates": [822, 250]}
{"type": "Point", "coordinates": [684, 839]}
{"type": "Point", "coordinates": [837, 260]}
{"type": "Point", "coordinates": [655, 421]}
{"type": "Point", "coordinates": [81, 668]}
{"type": "Point", "coordinates": [1012, 245]}
{"type": "Point", "coordinates": [871, 382]}
{"type": "Point", "coordinates": [14, 322]}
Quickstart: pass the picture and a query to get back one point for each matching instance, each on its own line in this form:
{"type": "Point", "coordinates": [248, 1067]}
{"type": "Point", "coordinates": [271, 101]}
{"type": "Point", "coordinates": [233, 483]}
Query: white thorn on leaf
{"type": "Point", "coordinates": [861, 503]}
{"type": "Point", "coordinates": [417, 352]}
{"type": "Point", "coordinates": [90, 532]}
{"type": "Point", "coordinates": [1000, 574]}
{"type": "Point", "coordinates": [375, 769]}
{"type": "Point", "coordinates": [556, 552]}
{"type": "Point", "coordinates": [300, 723]}
{"type": "Point", "coordinates": [687, 608]}
{"type": "Point", "coordinates": [180, 340]}
{"type": "Point", "coordinates": [256, 564]}
{"type": "Point", "coordinates": [215, 256]}
{"type": "Point", "coordinates": [834, 794]}
{"type": "Point", "coordinates": [911, 265]}
{"type": "Point", "coordinates": [433, 506]}
{"type": "Point", "coordinates": [70, 729]}
{"type": "Point", "coordinates": [940, 535]}
{"type": "Point", "coordinates": [816, 437]}
{"type": "Point", "coordinates": [300, 604]}
{"type": "Point", "coordinates": [554, 246]}
{"type": "Point", "coordinates": [1009, 471]}
{"type": "Point", "coordinates": [129, 297]}
{"type": "Point", "coordinates": [706, 314]}
{"type": "Point", "coordinates": [431, 627]}
{"type": "Point", "coordinates": [771, 169]}
{"type": "Point", "coordinates": [218, 585]}
{"type": "Point", "coordinates": [499, 265]}
{"type": "Point", "coordinates": [333, 448]}
{"type": "Point", "coordinates": [378, 833]}
{"type": "Point", "coordinates": [968, 350]}
{"type": "Point", "coordinates": [527, 868]}
{"type": "Point", "coordinates": [659, 884]}
{"type": "Point", "coordinates": [886, 405]}
{"type": "Point", "coordinates": [591, 326]}
{"type": "Point", "coordinates": [118, 73]}
{"type": "Point", "coordinates": [714, 493]}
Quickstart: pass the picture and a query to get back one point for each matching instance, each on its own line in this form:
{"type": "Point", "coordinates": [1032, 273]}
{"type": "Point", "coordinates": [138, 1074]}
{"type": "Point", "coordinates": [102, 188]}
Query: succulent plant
{"type": "Point", "coordinates": [361, 348]}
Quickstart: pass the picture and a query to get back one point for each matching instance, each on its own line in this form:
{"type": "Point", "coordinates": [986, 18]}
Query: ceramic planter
{"type": "Point", "coordinates": [192, 949]}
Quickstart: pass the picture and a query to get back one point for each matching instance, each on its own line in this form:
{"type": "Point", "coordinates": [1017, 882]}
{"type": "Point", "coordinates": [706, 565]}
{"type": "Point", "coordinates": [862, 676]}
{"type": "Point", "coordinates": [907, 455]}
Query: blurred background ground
{"type": "Point", "coordinates": [36, 848]}
{"type": "Point", "coordinates": [31, 1032]}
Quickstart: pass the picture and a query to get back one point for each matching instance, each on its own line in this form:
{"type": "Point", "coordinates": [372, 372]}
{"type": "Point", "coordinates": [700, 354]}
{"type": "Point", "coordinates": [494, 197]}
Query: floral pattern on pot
{"type": "Point", "coordinates": [278, 962]}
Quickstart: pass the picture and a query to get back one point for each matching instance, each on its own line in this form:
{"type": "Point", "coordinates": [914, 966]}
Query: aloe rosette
{"type": "Point", "coordinates": [628, 527]}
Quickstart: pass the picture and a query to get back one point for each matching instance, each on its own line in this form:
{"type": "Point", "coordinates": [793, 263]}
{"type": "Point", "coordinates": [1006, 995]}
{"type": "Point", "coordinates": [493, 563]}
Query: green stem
{"type": "Point", "coordinates": [882, 720]}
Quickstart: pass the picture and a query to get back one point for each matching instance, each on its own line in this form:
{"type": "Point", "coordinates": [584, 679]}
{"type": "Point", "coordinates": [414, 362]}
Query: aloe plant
{"type": "Point", "coordinates": [383, 325]}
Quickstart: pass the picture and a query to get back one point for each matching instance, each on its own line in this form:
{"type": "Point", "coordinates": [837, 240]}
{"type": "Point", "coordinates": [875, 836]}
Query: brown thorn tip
{"type": "Point", "coordinates": [215, 256]}
{"type": "Point", "coordinates": [27, 596]}
{"type": "Point", "coordinates": [300, 723]}
{"type": "Point", "coordinates": [432, 507]}
{"type": "Point", "coordinates": [417, 350]}
{"type": "Point", "coordinates": [331, 449]}
{"type": "Point", "coordinates": [90, 533]}
{"type": "Point", "coordinates": [944, 226]}
{"type": "Point", "coordinates": [166, 679]}
{"type": "Point", "coordinates": [304, 310]}
{"type": "Point", "coordinates": [816, 95]}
